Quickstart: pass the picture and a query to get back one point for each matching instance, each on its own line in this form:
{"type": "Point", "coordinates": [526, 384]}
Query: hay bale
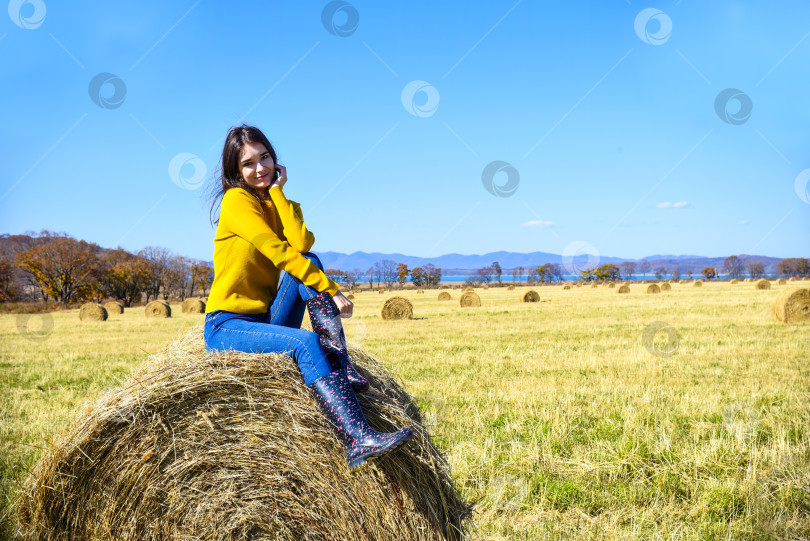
{"type": "Point", "coordinates": [397, 308]}
{"type": "Point", "coordinates": [684, 281]}
{"type": "Point", "coordinates": [762, 283]}
{"type": "Point", "coordinates": [193, 306]}
{"type": "Point", "coordinates": [792, 305]}
{"type": "Point", "coordinates": [611, 284]}
{"type": "Point", "coordinates": [419, 292]}
{"type": "Point", "coordinates": [158, 309]}
{"type": "Point", "coordinates": [781, 282]}
{"type": "Point", "coordinates": [567, 286]}
{"type": "Point", "coordinates": [114, 307]}
{"type": "Point", "coordinates": [91, 311]}
{"type": "Point", "coordinates": [470, 299]}
{"type": "Point", "coordinates": [486, 286]}
{"type": "Point", "coordinates": [665, 286]}
{"type": "Point", "coordinates": [380, 291]}
{"type": "Point", "coordinates": [531, 296]}
{"type": "Point", "coordinates": [234, 446]}
{"type": "Point", "coordinates": [652, 289]}
{"type": "Point", "coordinates": [792, 279]}
{"type": "Point", "coordinates": [595, 284]}
{"type": "Point", "coordinates": [624, 288]}
{"type": "Point", "coordinates": [350, 296]}
{"type": "Point", "coordinates": [444, 296]}
{"type": "Point", "coordinates": [510, 287]}
{"type": "Point", "coordinates": [698, 283]}
{"type": "Point", "coordinates": [734, 282]}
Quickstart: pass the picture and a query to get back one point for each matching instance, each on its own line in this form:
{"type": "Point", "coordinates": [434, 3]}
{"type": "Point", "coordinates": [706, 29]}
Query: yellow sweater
{"type": "Point", "coordinates": [251, 250]}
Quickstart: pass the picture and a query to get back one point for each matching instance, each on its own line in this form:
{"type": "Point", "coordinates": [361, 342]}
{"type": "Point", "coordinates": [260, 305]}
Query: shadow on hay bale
{"type": "Point", "coordinates": [234, 446]}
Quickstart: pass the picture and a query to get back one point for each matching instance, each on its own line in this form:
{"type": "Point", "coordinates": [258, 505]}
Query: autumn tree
{"type": "Point", "coordinates": [6, 281]}
{"type": "Point", "coordinates": [336, 275]}
{"type": "Point", "coordinates": [418, 276]}
{"type": "Point", "coordinates": [202, 276]}
{"type": "Point", "coordinates": [709, 273]}
{"type": "Point", "coordinates": [608, 271]}
{"type": "Point", "coordinates": [793, 266]}
{"type": "Point", "coordinates": [64, 268]}
{"type": "Point", "coordinates": [127, 279]}
{"type": "Point", "coordinates": [402, 273]}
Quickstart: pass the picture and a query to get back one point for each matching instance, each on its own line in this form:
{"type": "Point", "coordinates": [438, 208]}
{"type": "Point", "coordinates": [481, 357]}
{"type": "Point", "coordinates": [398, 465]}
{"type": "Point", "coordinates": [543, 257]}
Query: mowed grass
{"type": "Point", "coordinates": [561, 419]}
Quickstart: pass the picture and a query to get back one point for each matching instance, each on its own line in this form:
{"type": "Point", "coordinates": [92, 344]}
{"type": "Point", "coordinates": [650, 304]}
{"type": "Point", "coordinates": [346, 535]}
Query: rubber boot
{"type": "Point", "coordinates": [325, 318]}
{"type": "Point", "coordinates": [339, 404]}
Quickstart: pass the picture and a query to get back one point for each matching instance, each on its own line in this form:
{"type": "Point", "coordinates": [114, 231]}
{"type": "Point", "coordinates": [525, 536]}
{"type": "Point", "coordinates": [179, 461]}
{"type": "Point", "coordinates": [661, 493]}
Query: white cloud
{"type": "Point", "coordinates": [670, 205]}
{"type": "Point", "coordinates": [742, 222]}
{"type": "Point", "coordinates": [537, 223]}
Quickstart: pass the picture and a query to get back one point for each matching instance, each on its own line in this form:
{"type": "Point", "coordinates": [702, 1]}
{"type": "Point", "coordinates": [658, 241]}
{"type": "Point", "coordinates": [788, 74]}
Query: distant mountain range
{"type": "Point", "coordinates": [461, 264]}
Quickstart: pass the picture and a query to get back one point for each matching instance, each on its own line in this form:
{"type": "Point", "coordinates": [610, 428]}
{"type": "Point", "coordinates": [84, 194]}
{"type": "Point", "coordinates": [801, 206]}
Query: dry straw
{"type": "Point", "coordinates": [158, 309]}
{"type": "Point", "coordinates": [652, 288]}
{"type": "Point", "coordinates": [611, 284]}
{"type": "Point", "coordinates": [350, 297]}
{"type": "Point", "coordinates": [114, 307]}
{"type": "Point", "coordinates": [762, 284]}
{"type": "Point", "coordinates": [665, 286]}
{"type": "Point", "coordinates": [531, 296]}
{"type": "Point", "coordinates": [734, 282]}
{"type": "Point", "coordinates": [624, 288]}
{"type": "Point", "coordinates": [234, 446]}
{"type": "Point", "coordinates": [444, 296]}
{"type": "Point", "coordinates": [92, 311]}
{"type": "Point", "coordinates": [781, 282]}
{"type": "Point", "coordinates": [792, 305]}
{"type": "Point", "coordinates": [193, 306]}
{"type": "Point", "coordinates": [470, 299]}
{"type": "Point", "coordinates": [567, 286]}
{"type": "Point", "coordinates": [510, 287]}
{"type": "Point", "coordinates": [397, 308]}
{"type": "Point", "coordinates": [698, 283]}
{"type": "Point", "coordinates": [419, 291]}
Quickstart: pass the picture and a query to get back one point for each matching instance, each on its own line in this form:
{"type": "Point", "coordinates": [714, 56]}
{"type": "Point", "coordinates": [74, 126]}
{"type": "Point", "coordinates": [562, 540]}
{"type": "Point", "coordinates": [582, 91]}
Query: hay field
{"type": "Point", "coordinates": [586, 415]}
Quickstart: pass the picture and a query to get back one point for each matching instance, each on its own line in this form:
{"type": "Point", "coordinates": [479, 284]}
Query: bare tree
{"type": "Point", "coordinates": [627, 268]}
{"type": "Point", "coordinates": [158, 259]}
{"type": "Point", "coordinates": [756, 269]}
{"type": "Point", "coordinates": [733, 266]}
{"type": "Point", "coordinates": [644, 267]}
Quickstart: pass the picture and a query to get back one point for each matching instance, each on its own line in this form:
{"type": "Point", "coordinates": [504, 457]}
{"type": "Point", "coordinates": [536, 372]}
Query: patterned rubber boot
{"type": "Point", "coordinates": [339, 404]}
{"type": "Point", "coordinates": [325, 318]}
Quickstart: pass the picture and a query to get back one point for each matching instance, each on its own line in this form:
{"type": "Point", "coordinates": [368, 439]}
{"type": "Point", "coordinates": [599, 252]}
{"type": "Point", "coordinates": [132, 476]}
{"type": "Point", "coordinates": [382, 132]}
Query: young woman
{"type": "Point", "coordinates": [264, 277]}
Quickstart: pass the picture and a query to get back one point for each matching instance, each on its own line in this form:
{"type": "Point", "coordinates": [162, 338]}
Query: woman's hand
{"type": "Point", "coordinates": [282, 179]}
{"type": "Point", "coordinates": [344, 305]}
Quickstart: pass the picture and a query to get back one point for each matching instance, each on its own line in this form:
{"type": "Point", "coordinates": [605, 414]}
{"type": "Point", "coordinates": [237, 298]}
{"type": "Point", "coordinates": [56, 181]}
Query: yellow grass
{"type": "Point", "coordinates": [562, 419]}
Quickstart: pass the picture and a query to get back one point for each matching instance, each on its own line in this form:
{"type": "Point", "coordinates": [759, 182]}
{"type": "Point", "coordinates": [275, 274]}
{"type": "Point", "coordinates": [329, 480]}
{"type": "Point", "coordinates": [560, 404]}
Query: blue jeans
{"type": "Point", "coordinates": [277, 331]}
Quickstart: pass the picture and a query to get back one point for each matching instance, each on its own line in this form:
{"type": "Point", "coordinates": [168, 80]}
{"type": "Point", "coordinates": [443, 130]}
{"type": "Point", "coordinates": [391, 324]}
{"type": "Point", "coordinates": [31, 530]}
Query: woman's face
{"type": "Point", "coordinates": [257, 166]}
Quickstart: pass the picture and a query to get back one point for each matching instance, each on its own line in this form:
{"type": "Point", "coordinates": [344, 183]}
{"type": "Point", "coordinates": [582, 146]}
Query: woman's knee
{"type": "Point", "coordinates": [314, 258]}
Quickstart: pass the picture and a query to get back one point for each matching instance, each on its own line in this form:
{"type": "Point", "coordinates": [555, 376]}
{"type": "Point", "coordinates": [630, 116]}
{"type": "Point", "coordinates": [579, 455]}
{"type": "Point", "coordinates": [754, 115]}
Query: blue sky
{"type": "Point", "coordinates": [604, 117]}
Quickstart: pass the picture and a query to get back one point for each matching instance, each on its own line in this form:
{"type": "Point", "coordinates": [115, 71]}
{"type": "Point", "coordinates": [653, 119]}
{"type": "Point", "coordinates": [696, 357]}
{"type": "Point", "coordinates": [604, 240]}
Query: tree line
{"type": "Point", "coordinates": [57, 267]}
{"type": "Point", "coordinates": [388, 272]}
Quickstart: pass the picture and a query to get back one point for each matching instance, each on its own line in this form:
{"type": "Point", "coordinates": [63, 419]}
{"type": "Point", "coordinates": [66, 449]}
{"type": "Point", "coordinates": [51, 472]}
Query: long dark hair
{"type": "Point", "coordinates": [230, 175]}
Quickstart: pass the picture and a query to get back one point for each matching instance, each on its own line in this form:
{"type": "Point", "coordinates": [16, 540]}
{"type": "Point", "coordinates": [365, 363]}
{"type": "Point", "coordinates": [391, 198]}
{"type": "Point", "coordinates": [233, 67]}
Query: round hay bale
{"type": "Point", "coordinates": [652, 289]}
{"type": "Point", "coordinates": [419, 292]}
{"type": "Point", "coordinates": [470, 299]}
{"type": "Point", "coordinates": [567, 286]}
{"type": "Point", "coordinates": [595, 284]}
{"type": "Point", "coordinates": [114, 307]}
{"type": "Point", "coordinates": [531, 296]}
{"type": "Point", "coordinates": [734, 282]}
{"type": "Point", "coordinates": [91, 311]}
{"type": "Point", "coordinates": [624, 288]}
{"type": "Point", "coordinates": [510, 287]}
{"type": "Point", "coordinates": [193, 306]}
{"type": "Point", "coordinates": [444, 296]}
{"type": "Point", "coordinates": [762, 283]}
{"type": "Point", "coordinates": [611, 284]}
{"type": "Point", "coordinates": [697, 283]}
{"type": "Point", "coordinates": [781, 282]}
{"type": "Point", "coordinates": [486, 286]}
{"type": "Point", "coordinates": [792, 279]}
{"type": "Point", "coordinates": [397, 308]}
{"type": "Point", "coordinates": [684, 281]}
{"type": "Point", "coordinates": [350, 296]}
{"type": "Point", "coordinates": [666, 286]}
{"type": "Point", "coordinates": [234, 446]}
{"type": "Point", "coordinates": [792, 305]}
{"type": "Point", "coordinates": [158, 309]}
{"type": "Point", "coordinates": [380, 291]}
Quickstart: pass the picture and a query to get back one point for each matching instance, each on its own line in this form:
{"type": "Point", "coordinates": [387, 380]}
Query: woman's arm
{"type": "Point", "coordinates": [292, 221]}
{"type": "Point", "coordinates": [242, 215]}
